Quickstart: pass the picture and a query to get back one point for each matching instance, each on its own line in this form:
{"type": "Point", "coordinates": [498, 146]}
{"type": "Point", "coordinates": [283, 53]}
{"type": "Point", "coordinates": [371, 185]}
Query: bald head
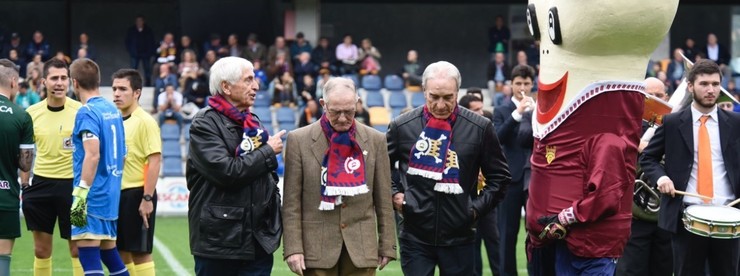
{"type": "Point", "coordinates": [656, 87]}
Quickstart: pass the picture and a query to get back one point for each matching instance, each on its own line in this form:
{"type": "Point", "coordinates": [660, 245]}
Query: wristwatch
{"type": "Point", "coordinates": [147, 198]}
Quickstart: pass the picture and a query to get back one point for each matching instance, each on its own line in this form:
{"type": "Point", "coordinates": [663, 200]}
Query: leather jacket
{"type": "Point", "coordinates": [234, 203]}
{"type": "Point", "coordinates": [436, 218]}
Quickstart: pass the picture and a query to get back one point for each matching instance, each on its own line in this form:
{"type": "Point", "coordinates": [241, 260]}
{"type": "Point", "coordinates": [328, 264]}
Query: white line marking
{"type": "Point", "coordinates": [169, 258]}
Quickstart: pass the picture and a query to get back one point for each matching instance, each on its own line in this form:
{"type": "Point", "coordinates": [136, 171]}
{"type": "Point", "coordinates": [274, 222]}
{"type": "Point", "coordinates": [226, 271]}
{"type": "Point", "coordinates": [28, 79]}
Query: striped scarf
{"type": "Point", "coordinates": [254, 135]}
{"type": "Point", "coordinates": [343, 167]}
{"type": "Point", "coordinates": [433, 156]}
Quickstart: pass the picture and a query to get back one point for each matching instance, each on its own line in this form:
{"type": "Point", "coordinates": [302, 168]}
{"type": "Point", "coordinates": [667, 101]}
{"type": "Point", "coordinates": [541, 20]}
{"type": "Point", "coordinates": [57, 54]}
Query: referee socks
{"type": "Point", "coordinates": [77, 267]}
{"type": "Point", "coordinates": [41, 267]}
{"type": "Point", "coordinates": [145, 269]}
{"type": "Point", "coordinates": [4, 264]}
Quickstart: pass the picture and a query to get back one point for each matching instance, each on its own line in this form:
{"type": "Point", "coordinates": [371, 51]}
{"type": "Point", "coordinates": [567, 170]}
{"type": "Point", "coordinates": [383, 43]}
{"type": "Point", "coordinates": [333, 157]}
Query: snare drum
{"type": "Point", "coordinates": [713, 221]}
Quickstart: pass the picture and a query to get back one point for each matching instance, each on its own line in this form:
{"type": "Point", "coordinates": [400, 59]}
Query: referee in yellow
{"type": "Point", "coordinates": [138, 206]}
{"type": "Point", "coordinates": [46, 199]}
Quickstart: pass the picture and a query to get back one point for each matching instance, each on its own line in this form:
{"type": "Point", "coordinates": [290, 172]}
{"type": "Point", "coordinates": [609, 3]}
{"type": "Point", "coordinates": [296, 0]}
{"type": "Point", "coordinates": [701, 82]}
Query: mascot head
{"type": "Point", "coordinates": [584, 42]}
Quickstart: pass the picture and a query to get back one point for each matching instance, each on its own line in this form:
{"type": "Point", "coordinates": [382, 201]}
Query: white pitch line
{"type": "Point", "coordinates": [169, 258]}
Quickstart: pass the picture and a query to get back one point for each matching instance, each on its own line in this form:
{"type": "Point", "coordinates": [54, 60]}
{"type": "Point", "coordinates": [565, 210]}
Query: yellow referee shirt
{"type": "Point", "coordinates": [52, 133]}
{"type": "Point", "coordinates": [142, 140]}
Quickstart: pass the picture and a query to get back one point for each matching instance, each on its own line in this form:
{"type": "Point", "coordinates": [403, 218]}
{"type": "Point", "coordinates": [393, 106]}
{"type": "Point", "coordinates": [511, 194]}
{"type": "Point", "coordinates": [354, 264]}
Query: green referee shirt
{"type": "Point", "coordinates": [16, 133]}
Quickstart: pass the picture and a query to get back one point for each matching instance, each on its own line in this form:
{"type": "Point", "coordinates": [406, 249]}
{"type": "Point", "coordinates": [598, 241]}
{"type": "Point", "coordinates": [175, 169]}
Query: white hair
{"type": "Point", "coordinates": [228, 69]}
{"type": "Point", "coordinates": [338, 82]}
{"type": "Point", "coordinates": [438, 68]}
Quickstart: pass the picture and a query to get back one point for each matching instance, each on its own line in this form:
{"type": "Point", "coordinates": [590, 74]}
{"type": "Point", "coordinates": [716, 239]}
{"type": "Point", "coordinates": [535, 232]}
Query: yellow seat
{"type": "Point", "coordinates": [379, 116]}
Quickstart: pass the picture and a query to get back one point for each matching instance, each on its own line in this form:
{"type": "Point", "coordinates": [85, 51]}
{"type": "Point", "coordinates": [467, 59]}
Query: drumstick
{"type": "Point", "coordinates": [734, 202]}
{"type": "Point", "coordinates": [693, 194]}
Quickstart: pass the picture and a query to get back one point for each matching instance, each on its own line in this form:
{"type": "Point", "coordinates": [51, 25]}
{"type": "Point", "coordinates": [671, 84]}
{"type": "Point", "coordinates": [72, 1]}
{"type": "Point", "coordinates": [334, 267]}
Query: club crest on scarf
{"type": "Point", "coordinates": [433, 157]}
{"type": "Point", "coordinates": [343, 167]}
{"type": "Point", "coordinates": [254, 135]}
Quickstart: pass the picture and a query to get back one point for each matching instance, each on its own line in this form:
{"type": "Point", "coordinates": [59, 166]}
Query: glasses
{"type": "Point", "coordinates": [339, 113]}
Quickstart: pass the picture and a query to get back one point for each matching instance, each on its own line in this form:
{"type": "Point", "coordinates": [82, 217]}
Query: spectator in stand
{"type": "Point", "coordinates": [186, 43]}
{"type": "Point", "coordinates": [170, 103]}
{"type": "Point", "coordinates": [14, 44]}
{"type": "Point", "coordinates": [521, 58]}
{"type": "Point", "coordinates": [84, 43]}
{"type": "Point", "coordinates": [26, 97]}
{"type": "Point", "coordinates": [308, 91]}
{"type": "Point", "coordinates": [283, 91]}
{"type": "Point", "coordinates": [167, 51]}
{"type": "Point", "coordinates": [81, 53]}
{"type": "Point", "coordinates": [689, 49]}
{"type": "Point", "coordinates": [208, 61]}
{"type": "Point", "coordinates": [255, 51]}
{"type": "Point", "coordinates": [411, 72]}
{"type": "Point", "coordinates": [141, 47]}
{"type": "Point", "coordinates": [35, 63]}
{"type": "Point", "coordinates": [504, 96]}
{"type": "Point", "coordinates": [35, 81]}
{"type": "Point", "coordinates": [233, 46]}
{"type": "Point", "coordinates": [310, 114]}
{"type": "Point", "coordinates": [654, 68]}
{"type": "Point", "coordinates": [277, 49]}
{"type": "Point", "coordinates": [260, 74]}
{"type": "Point", "coordinates": [188, 67]}
{"type": "Point", "coordinates": [20, 62]}
{"type": "Point", "coordinates": [280, 65]}
{"type": "Point", "coordinates": [324, 76]}
{"type": "Point", "coordinates": [214, 44]}
{"type": "Point", "coordinates": [498, 73]}
{"type": "Point", "coordinates": [196, 91]}
{"type": "Point", "coordinates": [361, 114]}
{"type": "Point", "coordinates": [61, 56]}
{"type": "Point", "coordinates": [347, 55]}
{"type": "Point", "coordinates": [301, 45]}
{"type": "Point", "coordinates": [38, 46]}
{"type": "Point", "coordinates": [369, 57]}
{"type": "Point", "coordinates": [719, 54]}
{"type": "Point", "coordinates": [498, 37]}
{"type": "Point", "coordinates": [675, 70]}
{"type": "Point", "coordinates": [166, 77]}
{"type": "Point", "coordinates": [303, 66]}
{"type": "Point", "coordinates": [323, 56]}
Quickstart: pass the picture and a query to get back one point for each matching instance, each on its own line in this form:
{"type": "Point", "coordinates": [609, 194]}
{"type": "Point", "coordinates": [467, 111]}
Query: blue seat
{"type": "Point", "coordinates": [287, 126]}
{"type": "Point", "coordinates": [371, 82]}
{"type": "Point", "coordinates": [397, 100]}
{"type": "Point", "coordinates": [262, 99]}
{"type": "Point", "coordinates": [381, 128]}
{"type": "Point", "coordinates": [417, 99]}
{"type": "Point", "coordinates": [171, 149]}
{"type": "Point", "coordinates": [170, 132]}
{"type": "Point", "coordinates": [285, 115]}
{"type": "Point", "coordinates": [263, 113]}
{"type": "Point", "coordinates": [393, 83]}
{"type": "Point", "coordinates": [171, 167]}
{"type": "Point", "coordinates": [395, 112]}
{"type": "Point", "coordinates": [186, 131]}
{"type": "Point", "coordinates": [354, 78]}
{"type": "Point", "coordinates": [374, 98]}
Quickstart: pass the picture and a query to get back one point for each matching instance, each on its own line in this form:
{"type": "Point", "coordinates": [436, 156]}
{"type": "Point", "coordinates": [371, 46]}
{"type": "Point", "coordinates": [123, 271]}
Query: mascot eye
{"type": "Point", "coordinates": [534, 30]}
{"type": "Point", "coordinates": [553, 26]}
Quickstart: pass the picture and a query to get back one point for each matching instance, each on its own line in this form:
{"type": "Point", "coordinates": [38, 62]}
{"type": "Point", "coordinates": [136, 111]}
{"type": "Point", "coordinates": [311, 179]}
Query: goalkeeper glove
{"type": "Point", "coordinates": [78, 212]}
{"type": "Point", "coordinates": [555, 225]}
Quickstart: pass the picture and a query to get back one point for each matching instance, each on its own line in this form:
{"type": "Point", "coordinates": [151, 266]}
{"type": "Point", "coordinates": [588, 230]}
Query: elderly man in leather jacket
{"type": "Point", "coordinates": [234, 204]}
{"type": "Point", "coordinates": [441, 148]}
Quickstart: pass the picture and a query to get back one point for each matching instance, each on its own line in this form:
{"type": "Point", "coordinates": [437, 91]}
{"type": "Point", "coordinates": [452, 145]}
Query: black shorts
{"type": "Point", "coordinates": [10, 225]}
{"type": "Point", "coordinates": [132, 236]}
{"type": "Point", "coordinates": [45, 201]}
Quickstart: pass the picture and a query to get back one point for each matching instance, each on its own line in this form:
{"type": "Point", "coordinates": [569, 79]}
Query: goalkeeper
{"type": "Point", "coordinates": [100, 150]}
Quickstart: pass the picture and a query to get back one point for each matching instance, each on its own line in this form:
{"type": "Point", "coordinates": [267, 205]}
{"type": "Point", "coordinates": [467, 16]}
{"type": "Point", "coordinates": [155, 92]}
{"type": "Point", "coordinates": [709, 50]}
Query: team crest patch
{"type": "Point", "coordinates": [351, 165]}
{"type": "Point", "coordinates": [67, 143]}
{"type": "Point", "coordinates": [429, 147]}
{"type": "Point", "coordinates": [249, 144]}
{"type": "Point", "coordinates": [549, 154]}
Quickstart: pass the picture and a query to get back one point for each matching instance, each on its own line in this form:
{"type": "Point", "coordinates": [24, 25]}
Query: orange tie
{"type": "Point", "coordinates": [704, 171]}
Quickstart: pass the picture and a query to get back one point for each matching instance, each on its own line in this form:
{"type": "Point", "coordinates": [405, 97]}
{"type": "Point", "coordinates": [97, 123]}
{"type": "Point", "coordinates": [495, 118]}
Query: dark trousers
{"type": "Point", "coordinates": [510, 218]}
{"type": "Point", "coordinates": [262, 266]}
{"type": "Point", "coordinates": [420, 260]}
{"type": "Point", "coordinates": [568, 264]}
{"type": "Point", "coordinates": [691, 253]}
{"type": "Point", "coordinates": [146, 63]}
{"type": "Point", "coordinates": [541, 260]}
{"type": "Point", "coordinates": [648, 251]}
{"type": "Point", "coordinates": [487, 234]}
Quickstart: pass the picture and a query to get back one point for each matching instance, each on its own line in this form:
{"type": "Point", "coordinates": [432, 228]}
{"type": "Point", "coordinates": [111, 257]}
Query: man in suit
{"type": "Point", "coordinates": [338, 215]}
{"type": "Point", "coordinates": [516, 139]}
{"type": "Point", "coordinates": [701, 151]}
{"type": "Point", "coordinates": [719, 54]}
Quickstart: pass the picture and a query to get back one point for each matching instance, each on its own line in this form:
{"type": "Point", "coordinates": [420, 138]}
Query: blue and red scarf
{"type": "Point", "coordinates": [433, 156]}
{"type": "Point", "coordinates": [343, 167]}
{"type": "Point", "coordinates": [254, 135]}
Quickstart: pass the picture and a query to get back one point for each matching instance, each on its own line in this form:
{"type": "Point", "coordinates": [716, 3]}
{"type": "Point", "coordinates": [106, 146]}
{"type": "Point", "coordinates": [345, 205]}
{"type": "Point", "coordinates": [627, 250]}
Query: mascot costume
{"type": "Point", "coordinates": [587, 125]}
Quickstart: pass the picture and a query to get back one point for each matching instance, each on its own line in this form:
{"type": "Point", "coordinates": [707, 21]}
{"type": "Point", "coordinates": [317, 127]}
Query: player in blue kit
{"type": "Point", "coordinates": [100, 149]}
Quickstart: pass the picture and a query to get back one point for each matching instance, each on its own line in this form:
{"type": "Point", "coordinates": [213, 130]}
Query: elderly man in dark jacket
{"type": "Point", "coordinates": [234, 204]}
{"type": "Point", "coordinates": [440, 149]}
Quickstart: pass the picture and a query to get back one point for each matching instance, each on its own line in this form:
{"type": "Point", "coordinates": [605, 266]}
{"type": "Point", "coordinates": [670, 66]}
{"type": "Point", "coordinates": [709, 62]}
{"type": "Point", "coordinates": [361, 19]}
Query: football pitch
{"type": "Point", "coordinates": [172, 253]}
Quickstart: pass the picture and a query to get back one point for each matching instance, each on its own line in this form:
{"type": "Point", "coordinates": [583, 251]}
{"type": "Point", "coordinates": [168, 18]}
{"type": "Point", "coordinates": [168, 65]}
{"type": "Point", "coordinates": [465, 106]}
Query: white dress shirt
{"type": "Point", "coordinates": [722, 190]}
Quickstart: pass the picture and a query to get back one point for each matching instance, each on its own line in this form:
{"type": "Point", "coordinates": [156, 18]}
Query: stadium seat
{"type": "Point", "coordinates": [354, 78]}
{"type": "Point", "coordinates": [417, 99]}
{"type": "Point", "coordinates": [170, 132]}
{"type": "Point", "coordinates": [395, 112]}
{"type": "Point", "coordinates": [264, 114]}
{"type": "Point", "coordinates": [287, 126]}
{"type": "Point", "coordinates": [262, 99]}
{"type": "Point", "coordinates": [172, 166]}
{"type": "Point", "coordinates": [171, 148]}
{"type": "Point", "coordinates": [379, 116]}
{"type": "Point", "coordinates": [186, 131]}
{"type": "Point", "coordinates": [285, 115]}
{"type": "Point", "coordinates": [397, 100]}
{"type": "Point", "coordinates": [737, 83]}
{"type": "Point", "coordinates": [393, 83]}
{"type": "Point", "coordinates": [371, 82]}
{"type": "Point", "coordinates": [381, 128]}
{"type": "Point", "coordinates": [374, 98]}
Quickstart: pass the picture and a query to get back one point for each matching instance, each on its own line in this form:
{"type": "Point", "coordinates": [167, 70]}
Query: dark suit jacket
{"type": "Point", "coordinates": [517, 144]}
{"type": "Point", "coordinates": [675, 139]}
{"type": "Point", "coordinates": [723, 56]}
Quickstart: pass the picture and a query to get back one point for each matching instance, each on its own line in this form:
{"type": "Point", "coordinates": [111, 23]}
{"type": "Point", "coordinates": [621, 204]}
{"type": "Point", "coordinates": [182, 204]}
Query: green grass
{"type": "Point", "coordinates": [173, 233]}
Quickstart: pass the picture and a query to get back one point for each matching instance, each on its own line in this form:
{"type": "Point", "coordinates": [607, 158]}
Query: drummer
{"type": "Point", "coordinates": [700, 145]}
{"type": "Point", "coordinates": [648, 251]}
